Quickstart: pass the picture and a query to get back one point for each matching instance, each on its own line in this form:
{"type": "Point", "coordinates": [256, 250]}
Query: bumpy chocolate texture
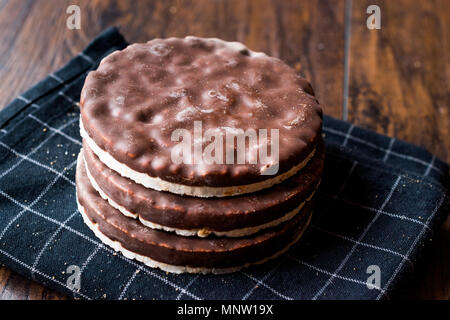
{"type": "Point", "coordinates": [138, 96]}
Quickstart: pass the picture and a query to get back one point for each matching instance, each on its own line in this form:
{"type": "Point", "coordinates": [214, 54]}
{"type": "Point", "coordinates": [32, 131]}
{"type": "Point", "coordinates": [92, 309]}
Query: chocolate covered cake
{"type": "Point", "coordinates": [199, 155]}
{"type": "Point", "coordinates": [132, 104]}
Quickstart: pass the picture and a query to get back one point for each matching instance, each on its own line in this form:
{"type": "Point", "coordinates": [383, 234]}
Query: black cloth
{"type": "Point", "coordinates": [379, 203]}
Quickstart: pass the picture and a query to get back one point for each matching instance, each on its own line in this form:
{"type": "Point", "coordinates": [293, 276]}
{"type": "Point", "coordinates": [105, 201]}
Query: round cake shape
{"type": "Point", "coordinates": [178, 254]}
{"type": "Point", "coordinates": [138, 98]}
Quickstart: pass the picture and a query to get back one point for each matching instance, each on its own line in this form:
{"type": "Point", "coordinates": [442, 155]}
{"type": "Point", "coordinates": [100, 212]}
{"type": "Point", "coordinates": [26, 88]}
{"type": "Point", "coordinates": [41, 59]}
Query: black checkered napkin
{"type": "Point", "coordinates": [379, 202]}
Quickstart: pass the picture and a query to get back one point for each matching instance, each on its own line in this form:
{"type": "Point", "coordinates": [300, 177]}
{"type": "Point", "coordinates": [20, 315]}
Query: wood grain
{"type": "Point", "coordinates": [398, 75]}
{"type": "Point", "coordinates": [14, 287]}
{"type": "Point", "coordinates": [399, 86]}
{"type": "Point", "coordinates": [308, 35]}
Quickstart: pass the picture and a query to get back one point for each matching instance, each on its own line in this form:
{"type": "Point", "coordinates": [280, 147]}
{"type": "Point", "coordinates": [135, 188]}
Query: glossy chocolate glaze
{"type": "Point", "coordinates": [211, 252]}
{"type": "Point", "coordinates": [219, 214]}
{"type": "Point", "coordinates": [138, 96]}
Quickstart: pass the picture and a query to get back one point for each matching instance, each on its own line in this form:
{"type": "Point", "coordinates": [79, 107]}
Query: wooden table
{"type": "Point", "coordinates": [393, 80]}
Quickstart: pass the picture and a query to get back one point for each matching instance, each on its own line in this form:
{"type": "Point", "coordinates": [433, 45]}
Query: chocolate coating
{"type": "Point", "coordinates": [219, 214]}
{"type": "Point", "coordinates": [138, 96]}
{"type": "Point", "coordinates": [169, 248]}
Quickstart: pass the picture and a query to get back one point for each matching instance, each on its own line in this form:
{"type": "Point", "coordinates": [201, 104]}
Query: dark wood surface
{"type": "Point", "coordinates": [397, 76]}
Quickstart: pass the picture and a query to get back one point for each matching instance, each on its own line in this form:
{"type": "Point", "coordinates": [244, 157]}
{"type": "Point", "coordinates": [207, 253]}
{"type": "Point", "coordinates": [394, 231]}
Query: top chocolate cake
{"type": "Point", "coordinates": [199, 117]}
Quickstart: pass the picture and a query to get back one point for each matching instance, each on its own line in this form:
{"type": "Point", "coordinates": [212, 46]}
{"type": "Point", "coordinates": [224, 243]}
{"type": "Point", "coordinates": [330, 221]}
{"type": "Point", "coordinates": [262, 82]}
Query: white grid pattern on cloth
{"type": "Point", "coordinates": [76, 141]}
{"type": "Point", "coordinates": [344, 261]}
{"type": "Point", "coordinates": [348, 135]}
{"type": "Point", "coordinates": [360, 242]}
{"type": "Point", "coordinates": [187, 286]}
{"type": "Point", "coordinates": [184, 290]}
{"type": "Point", "coordinates": [62, 94]}
{"type": "Point", "coordinates": [127, 285]}
{"type": "Point", "coordinates": [88, 259]}
{"type": "Point", "coordinates": [172, 284]}
{"type": "Point", "coordinates": [35, 105]}
{"type": "Point", "coordinates": [39, 164]}
{"type": "Point", "coordinates": [58, 175]}
{"type": "Point", "coordinates": [41, 252]}
{"type": "Point", "coordinates": [23, 264]}
{"type": "Point", "coordinates": [369, 165]}
{"type": "Point", "coordinates": [329, 273]}
{"type": "Point", "coordinates": [87, 58]}
{"type": "Point", "coordinates": [266, 276]}
{"type": "Point", "coordinates": [334, 197]}
{"type": "Point", "coordinates": [261, 282]}
{"type": "Point", "coordinates": [431, 165]}
{"type": "Point", "coordinates": [24, 99]}
{"type": "Point", "coordinates": [32, 268]}
{"type": "Point", "coordinates": [99, 244]}
{"type": "Point", "coordinates": [390, 214]}
{"type": "Point", "coordinates": [250, 277]}
{"type": "Point", "coordinates": [388, 151]}
{"type": "Point", "coordinates": [54, 76]}
{"type": "Point", "coordinates": [61, 81]}
{"type": "Point", "coordinates": [39, 197]}
{"type": "Point", "coordinates": [37, 147]}
{"type": "Point", "coordinates": [400, 265]}
{"type": "Point", "coordinates": [346, 238]}
{"type": "Point", "coordinates": [374, 146]}
{"type": "Point", "coordinates": [95, 242]}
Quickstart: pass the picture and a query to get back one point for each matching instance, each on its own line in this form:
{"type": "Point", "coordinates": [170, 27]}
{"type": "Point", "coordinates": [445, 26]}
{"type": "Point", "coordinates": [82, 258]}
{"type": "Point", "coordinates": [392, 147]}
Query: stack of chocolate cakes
{"type": "Point", "coordinates": [199, 155]}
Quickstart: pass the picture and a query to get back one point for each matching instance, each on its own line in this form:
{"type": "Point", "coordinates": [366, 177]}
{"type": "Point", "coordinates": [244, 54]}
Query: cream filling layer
{"type": "Point", "coordinates": [159, 184]}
